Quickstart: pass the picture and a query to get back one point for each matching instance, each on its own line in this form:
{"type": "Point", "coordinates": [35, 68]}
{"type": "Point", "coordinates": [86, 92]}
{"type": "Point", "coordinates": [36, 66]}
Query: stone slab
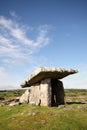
{"type": "Point", "coordinates": [49, 72]}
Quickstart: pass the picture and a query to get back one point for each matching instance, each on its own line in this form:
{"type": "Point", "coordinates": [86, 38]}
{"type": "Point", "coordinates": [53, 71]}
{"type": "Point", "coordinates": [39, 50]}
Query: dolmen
{"type": "Point", "coordinates": [45, 87]}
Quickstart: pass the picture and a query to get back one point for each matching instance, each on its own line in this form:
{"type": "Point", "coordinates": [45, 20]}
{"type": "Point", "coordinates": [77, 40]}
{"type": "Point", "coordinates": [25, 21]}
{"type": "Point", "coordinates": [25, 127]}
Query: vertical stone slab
{"type": "Point", "coordinates": [35, 94]}
{"type": "Point", "coordinates": [57, 92]}
{"type": "Point", "coordinates": [60, 93]}
{"type": "Point", "coordinates": [25, 97]}
{"type": "Point", "coordinates": [45, 92]}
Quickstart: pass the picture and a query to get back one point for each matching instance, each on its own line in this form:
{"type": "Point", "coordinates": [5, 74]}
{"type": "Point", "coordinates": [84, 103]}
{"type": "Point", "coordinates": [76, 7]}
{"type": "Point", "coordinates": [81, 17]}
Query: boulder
{"type": "Point", "coordinates": [25, 97]}
{"type": "Point", "coordinates": [9, 101]}
{"type": "Point", "coordinates": [13, 103]}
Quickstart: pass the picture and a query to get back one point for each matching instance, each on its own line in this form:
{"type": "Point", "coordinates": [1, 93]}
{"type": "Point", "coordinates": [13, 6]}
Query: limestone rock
{"type": "Point", "coordinates": [24, 84]}
{"type": "Point", "coordinates": [8, 101]}
{"type": "Point", "coordinates": [46, 88]}
{"type": "Point", "coordinates": [48, 72]}
{"type": "Point", "coordinates": [45, 92]}
{"type": "Point", "coordinates": [61, 106]}
{"type": "Point", "coordinates": [13, 103]}
{"type": "Point", "coordinates": [50, 92]}
{"type": "Point", "coordinates": [25, 97]}
{"type": "Point", "coordinates": [35, 94]}
{"type": "Point", "coordinates": [57, 92]}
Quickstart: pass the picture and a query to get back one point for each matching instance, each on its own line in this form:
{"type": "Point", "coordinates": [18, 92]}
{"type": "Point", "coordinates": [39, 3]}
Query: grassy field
{"type": "Point", "coordinates": [29, 117]}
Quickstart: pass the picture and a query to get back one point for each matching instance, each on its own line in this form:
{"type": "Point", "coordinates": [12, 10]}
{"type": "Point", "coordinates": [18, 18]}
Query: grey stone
{"type": "Point", "coordinates": [25, 97]}
{"type": "Point", "coordinates": [61, 106]}
{"type": "Point", "coordinates": [2, 104]}
{"type": "Point", "coordinates": [13, 103]}
{"type": "Point", "coordinates": [7, 102]}
{"type": "Point", "coordinates": [24, 84]}
{"type": "Point", "coordinates": [45, 73]}
{"type": "Point", "coordinates": [49, 92]}
{"type": "Point", "coordinates": [46, 88]}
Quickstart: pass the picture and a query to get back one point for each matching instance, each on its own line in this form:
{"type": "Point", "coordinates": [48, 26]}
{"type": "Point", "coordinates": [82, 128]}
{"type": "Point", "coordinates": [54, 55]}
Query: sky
{"type": "Point", "coordinates": [51, 33]}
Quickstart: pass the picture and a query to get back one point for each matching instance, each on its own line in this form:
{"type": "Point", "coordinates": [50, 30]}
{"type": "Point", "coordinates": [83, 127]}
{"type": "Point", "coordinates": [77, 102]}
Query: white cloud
{"type": "Point", "coordinates": [2, 73]}
{"type": "Point", "coordinates": [14, 41]}
{"type": "Point", "coordinates": [4, 40]}
{"type": "Point", "coordinates": [7, 80]}
{"type": "Point", "coordinates": [42, 39]}
{"type": "Point", "coordinates": [13, 14]}
{"type": "Point", "coordinates": [17, 49]}
{"type": "Point", "coordinates": [5, 23]}
{"type": "Point", "coordinates": [75, 83]}
{"type": "Point", "coordinates": [78, 80]}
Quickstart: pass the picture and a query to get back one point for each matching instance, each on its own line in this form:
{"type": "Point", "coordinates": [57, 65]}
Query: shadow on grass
{"type": "Point", "coordinates": [69, 103]}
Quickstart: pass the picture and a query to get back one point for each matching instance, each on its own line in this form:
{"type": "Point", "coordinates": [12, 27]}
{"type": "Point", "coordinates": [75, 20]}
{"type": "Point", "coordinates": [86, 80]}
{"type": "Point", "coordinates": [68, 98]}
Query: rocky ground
{"type": "Point", "coordinates": [72, 96]}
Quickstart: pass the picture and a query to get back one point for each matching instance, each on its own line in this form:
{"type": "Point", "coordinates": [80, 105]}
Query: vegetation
{"type": "Point", "coordinates": [30, 117]}
{"type": "Point", "coordinates": [8, 94]}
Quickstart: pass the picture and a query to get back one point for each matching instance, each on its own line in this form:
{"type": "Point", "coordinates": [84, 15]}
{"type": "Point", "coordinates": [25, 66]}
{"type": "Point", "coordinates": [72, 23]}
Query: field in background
{"type": "Point", "coordinates": [71, 95]}
{"type": "Point", "coordinates": [76, 95]}
{"type": "Point", "coordinates": [8, 94]}
{"type": "Point", "coordinates": [29, 117]}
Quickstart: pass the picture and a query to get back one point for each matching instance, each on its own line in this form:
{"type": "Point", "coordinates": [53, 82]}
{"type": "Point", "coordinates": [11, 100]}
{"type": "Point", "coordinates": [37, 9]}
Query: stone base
{"type": "Point", "coordinates": [49, 92]}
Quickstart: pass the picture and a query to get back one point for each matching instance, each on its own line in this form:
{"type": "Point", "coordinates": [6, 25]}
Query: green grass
{"type": "Point", "coordinates": [10, 94]}
{"type": "Point", "coordinates": [26, 117]}
{"type": "Point", "coordinates": [75, 92]}
{"type": "Point", "coordinates": [30, 117]}
{"type": "Point", "coordinates": [76, 95]}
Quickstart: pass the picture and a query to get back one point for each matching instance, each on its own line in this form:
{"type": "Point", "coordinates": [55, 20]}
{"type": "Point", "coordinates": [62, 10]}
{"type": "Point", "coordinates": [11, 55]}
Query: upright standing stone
{"type": "Point", "coordinates": [45, 92]}
{"type": "Point", "coordinates": [57, 92]}
{"type": "Point", "coordinates": [35, 94]}
{"type": "Point", "coordinates": [25, 97]}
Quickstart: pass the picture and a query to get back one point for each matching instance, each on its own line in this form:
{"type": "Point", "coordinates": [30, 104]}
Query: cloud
{"type": "Point", "coordinates": [13, 14]}
{"type": "Point", "coordinates": [15, 42]}
{"type": "Point", "coordinates": [79, 80]}
{"type": "Point", "coordinates": [7, 80]}
{"type": "Point", "coordinates": [19, 44]}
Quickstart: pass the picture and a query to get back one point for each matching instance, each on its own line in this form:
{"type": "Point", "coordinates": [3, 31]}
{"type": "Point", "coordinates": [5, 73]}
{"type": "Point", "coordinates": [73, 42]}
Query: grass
{"type": "Point", "coordinates": [11, 93]}
{"type": "Point", "coordinates": [30, 117]}
{"type": "Point", "coordinates": [25, 117]}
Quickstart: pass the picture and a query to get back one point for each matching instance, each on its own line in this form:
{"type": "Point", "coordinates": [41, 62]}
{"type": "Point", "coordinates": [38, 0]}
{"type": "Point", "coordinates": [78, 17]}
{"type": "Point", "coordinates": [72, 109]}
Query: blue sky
{"type": "Point", "coordinates": [36, 33]}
